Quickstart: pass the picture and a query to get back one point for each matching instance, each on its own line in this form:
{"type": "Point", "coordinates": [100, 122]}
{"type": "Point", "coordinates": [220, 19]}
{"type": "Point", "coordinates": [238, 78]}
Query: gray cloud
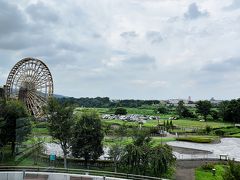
{"type": "Point", "coordinates": [234, 5]}
{"type": "Point", "coordinates": [193, 12]}
{"type": "Point", "coordinates": [41, 12]}
{"type": "Point", "coordinates": [154, 37]}
{"type": "Point", "coordinates": [129, 34]}
{"type": "Point", "coordinates": [140, 61]}
{"type": "Point", "coordinates": [24, 40]}
{"type": "Point", "coordinates": [11, 19]}
{"type": "Point", "coordinates": [223, 66]}
{"type": "Point", "coordinates": [71, 46]}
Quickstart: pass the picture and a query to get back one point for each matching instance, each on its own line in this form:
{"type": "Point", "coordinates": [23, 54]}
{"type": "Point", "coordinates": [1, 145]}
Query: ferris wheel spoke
{"type": "Point", "coordinates": [37, 73]}
{"type": "Point", "coordinates": [41, 77]}
{"type": "Point", "coordinates": [37, 103]}
{"type": "Point", "coordinates": [32, 103]}
{"type": "Point", "coordinates": [38, 98]}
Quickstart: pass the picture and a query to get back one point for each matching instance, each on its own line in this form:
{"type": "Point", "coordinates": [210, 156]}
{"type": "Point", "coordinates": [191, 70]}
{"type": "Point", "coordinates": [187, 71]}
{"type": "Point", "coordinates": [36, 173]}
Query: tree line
{"type": "Point", "coordinates": [228, 111]}
{"type": "Point", "coordinates": [105, 102]}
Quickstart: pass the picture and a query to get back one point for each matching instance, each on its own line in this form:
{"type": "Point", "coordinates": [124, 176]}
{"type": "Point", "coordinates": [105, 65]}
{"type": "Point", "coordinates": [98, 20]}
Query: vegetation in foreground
{"type": "Point", "coordinates": [231, 171]}
{"type": "Point", "coordinates": [206, 173]}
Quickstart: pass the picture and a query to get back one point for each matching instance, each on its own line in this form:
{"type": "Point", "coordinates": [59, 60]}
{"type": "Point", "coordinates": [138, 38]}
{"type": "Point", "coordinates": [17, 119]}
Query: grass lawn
{"type": "Point", "coordinates": [186, 123]}
{"type": "Point", "coordinates": [198, 139]}
{"type": "Point", "coordinates": [235, 135]}
{"type": "Point", "coordinates": [201, 174]}
{"type": "Point", "coordinates": [40, 131]}
{"type": "Point", "coordinates": [109, 141]}
{"type": "Point", "coordinates": [158, 140]}
{"type": "Point", "coordinates": [143, 111]}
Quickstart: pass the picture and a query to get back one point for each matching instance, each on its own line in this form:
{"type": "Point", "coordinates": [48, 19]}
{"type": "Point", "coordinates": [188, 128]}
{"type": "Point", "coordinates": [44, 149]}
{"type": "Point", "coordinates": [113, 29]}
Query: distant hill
{"type": "Point", "coordinates": [58, 96]}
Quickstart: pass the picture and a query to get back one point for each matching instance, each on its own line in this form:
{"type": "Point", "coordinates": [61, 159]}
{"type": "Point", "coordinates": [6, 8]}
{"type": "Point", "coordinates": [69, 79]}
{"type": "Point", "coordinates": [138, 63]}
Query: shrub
{"type": "Point", "coordinates": [162, 110]}
{"type": "Point", "coordinates": [208, 129]}
{"type": "Point", "coordinates": [120, 111]}
{"type": "Point", "coordinates": [232, 172]}
{"type": "Point", "coordinates": [207, 166]}
{"type": "Point", "coordinates": [209, 118]}
{"type": "Point", "coordinates": [219, 132]}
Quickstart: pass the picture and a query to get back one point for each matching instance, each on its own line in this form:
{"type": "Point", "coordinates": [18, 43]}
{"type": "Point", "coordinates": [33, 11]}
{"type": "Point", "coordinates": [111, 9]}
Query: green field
{"type": "Point", "coordinates": [184, 123]}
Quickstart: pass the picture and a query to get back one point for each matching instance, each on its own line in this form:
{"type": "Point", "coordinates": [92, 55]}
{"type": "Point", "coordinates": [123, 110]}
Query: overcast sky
{"type": "Point", "coordinates": [140, 49]}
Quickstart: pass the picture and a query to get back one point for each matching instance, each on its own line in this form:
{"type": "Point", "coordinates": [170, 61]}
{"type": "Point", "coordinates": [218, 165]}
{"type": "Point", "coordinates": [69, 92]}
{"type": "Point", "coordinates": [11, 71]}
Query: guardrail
{"type": "Point", "coordinates": [77, 171]}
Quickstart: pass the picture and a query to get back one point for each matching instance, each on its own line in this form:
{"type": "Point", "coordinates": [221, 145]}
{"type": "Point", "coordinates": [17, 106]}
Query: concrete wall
{"type": "Point", "coordinates": [11, 176]}
{"type": "Point", "coordinates": [51, 176]}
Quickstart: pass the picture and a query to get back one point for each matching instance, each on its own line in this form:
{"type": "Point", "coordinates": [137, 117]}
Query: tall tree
{"type": "Point", "coordinates": [223, 108]}
{"type": "Point", "coordinates": [17, 123]}
{"type": "Point", "coordinates": [61, 123]}
{"type": "Point", "coordinates": [204, 108]}
{"type": "Point", "coordinates": [87, 137]}
{"type": "Point", "coordinates": [232, 111]}
{"type": "Point", "coordinates": [180, 109]}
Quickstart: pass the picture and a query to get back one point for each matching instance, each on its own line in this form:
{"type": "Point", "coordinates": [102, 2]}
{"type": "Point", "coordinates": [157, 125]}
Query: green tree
{"type": "Point", "coordinates": [17, 123]}
{"type": "Point", "coordinates": [87, 137]}
{"type": "Point", "coordinates": [162, 109]}
{"type": "Point", "coordinates": [223, 109]}
{"type": "Point", "coordinates": [141, 157]}
{"type": "Point", "coordinates": [116, 150]}
{"type": "Point", "coordinates": [61, 123]}
{"type": "Point", "coordinates": [171, 125]}
{"type": "Point", "coordinates": [161, 158]}
{"type": "Point", "coordinates": [232, 111]}
{"type": "Point", "coordinates": [180, 109]}
{"type": "Point", "coordinates": [208, 129]}
{"type": "Point", "coordinates": [120, 111]}
{"type": "Point", "coordinates": [2, 122]}
{"type": "Point", "coordinates": [215, 115]}
{"type": "Point", "coordinates": [204, 108]}
{"type": "Point", "coordinates": [183, 111]}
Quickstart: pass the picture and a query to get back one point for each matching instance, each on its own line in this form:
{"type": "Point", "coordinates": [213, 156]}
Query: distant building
{"type": "Point", "coordinates": [214, 101]}
{"type": "Point", "coordinates": [187, 102]}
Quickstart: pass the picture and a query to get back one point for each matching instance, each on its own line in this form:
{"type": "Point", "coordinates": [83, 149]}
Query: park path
{"type": "Point", "coordinates": [185, 174]}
